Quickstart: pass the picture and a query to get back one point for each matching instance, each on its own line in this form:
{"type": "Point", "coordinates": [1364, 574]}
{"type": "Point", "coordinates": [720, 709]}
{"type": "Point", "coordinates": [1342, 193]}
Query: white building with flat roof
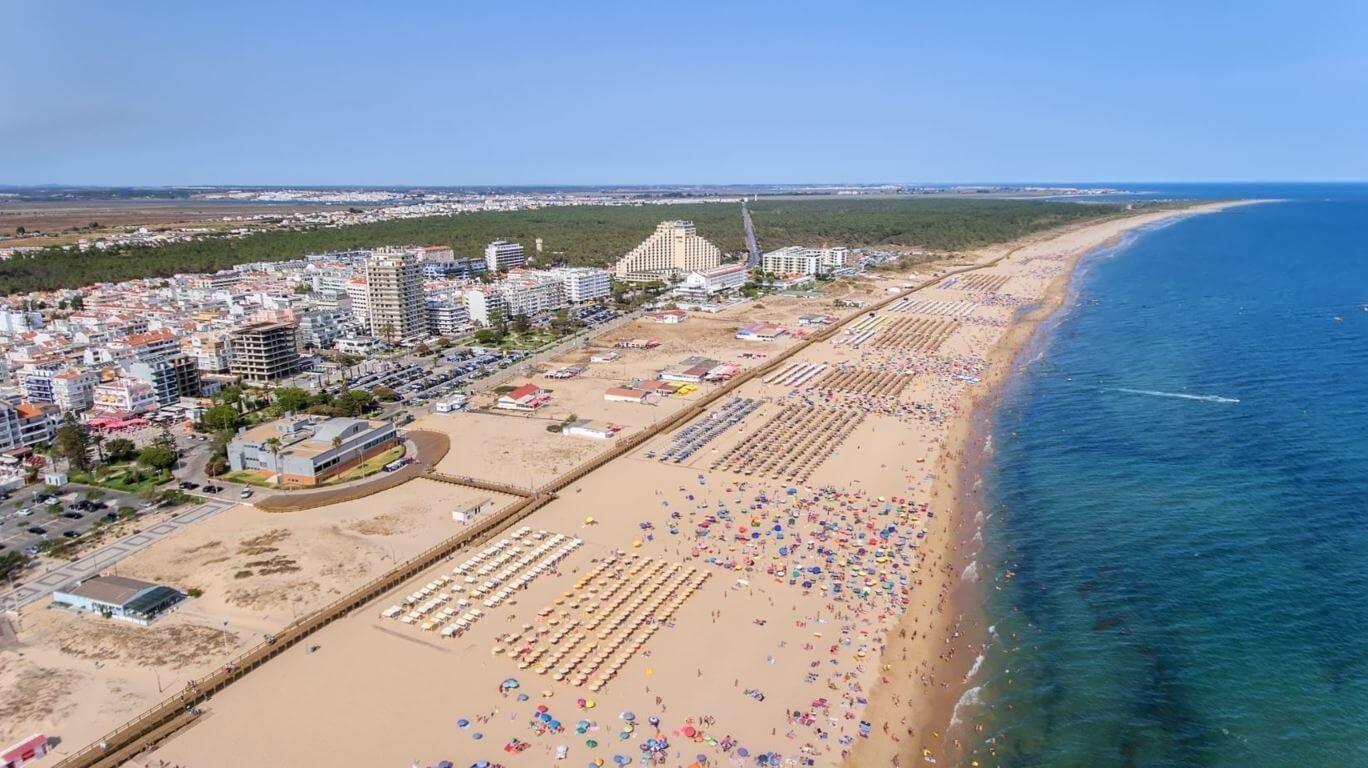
{"type": "Point", "coordinates": [801, 260]}
{"type": "Point", "coordinates": [502, 255]}
{"type": "Point", "coordinates": [672, 250]}
{"type": "Point", "coordinates": [713, 281]}
{"type": "Point", "coordinates": [584, 283]}
{"type": "Point", "coordinates": [528, 292]}
{"type": "Point", "coordinates": [484, 303]}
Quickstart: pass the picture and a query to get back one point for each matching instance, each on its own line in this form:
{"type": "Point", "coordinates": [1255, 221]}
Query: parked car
{"type": "Point", "coordinates": [37, 530]}
{"type": "Point", "coordinates": [211, 489]}
{"type": "Point", "coordinates": [246, 493]}
{"type": "Point", "coordinates": [186, 485]}
{"type": "Point", "coordinates": [71, 534]}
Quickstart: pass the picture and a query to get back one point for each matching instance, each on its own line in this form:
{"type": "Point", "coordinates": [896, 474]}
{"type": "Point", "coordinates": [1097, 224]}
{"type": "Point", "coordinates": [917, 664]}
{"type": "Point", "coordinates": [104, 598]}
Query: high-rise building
{"type": "Point", "coordinates": [265, 352]}
{"type": "Point", "coordinates": [394, 289]}
{"type": "Point", "coordinates": [673, 249]}
{"type": "Point", "coordinates": [502, 255]}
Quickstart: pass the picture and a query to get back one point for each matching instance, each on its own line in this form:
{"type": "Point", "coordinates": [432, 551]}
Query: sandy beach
{"type": "Point", "coordinates": [797, 585]}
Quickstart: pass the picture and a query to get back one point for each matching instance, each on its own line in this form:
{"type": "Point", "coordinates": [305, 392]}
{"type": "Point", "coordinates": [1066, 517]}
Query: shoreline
{"type": "Point", "coordinates": [930, 734]}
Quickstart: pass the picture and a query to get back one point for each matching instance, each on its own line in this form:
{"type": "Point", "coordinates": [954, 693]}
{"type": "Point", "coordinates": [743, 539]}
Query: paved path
{"type": "Point", "coordinates": [39, 587]}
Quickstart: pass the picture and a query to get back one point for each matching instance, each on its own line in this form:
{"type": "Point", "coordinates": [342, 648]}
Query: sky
{"type": "Point", "coordinates": [459, 93]}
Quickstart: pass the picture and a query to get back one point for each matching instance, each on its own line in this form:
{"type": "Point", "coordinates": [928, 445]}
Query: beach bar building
{"type": "Point", "coordinates": [24, 752]}
{"type": "Point", "coordinates": [527, 398]}
{"type": "Point", "coordinates": [120, 597]}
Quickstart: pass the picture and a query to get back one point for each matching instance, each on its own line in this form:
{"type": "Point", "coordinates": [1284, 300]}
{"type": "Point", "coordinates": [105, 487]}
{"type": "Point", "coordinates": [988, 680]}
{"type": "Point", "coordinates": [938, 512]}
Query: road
{"type": "Point", "coordinates": [38, 587]}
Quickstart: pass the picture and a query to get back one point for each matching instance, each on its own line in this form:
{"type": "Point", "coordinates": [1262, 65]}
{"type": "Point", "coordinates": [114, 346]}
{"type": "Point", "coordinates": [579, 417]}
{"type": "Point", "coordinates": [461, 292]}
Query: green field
{"type": "Point", "coordinates": [583, 235]}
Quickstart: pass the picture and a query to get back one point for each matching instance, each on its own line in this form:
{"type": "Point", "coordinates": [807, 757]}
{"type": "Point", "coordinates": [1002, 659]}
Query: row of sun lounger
{"type": "Point", "coordinates": [919, 334]}
{"type": "Point", "coordinates": [491, 576]}
{"type": "Point", "coordinates": [865, 381]}
{"type": "Point", "coordinates": [688, 440]}
{"type": "Point", "coordinates": [592, 630]}
{"type": "Point", "coordinates": [934, 307]}
{"type": "Point", "coordinates": [793, 444]}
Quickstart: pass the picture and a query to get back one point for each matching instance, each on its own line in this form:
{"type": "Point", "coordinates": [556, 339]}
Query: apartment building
{"type": "Point", "coordinates": [125, 396]}
{"type": "Point", "coordinates": [485, 304]}
{"type": "Point", "coordinates": [320, 328]}
{"type": "Point", "coordinates": [394, 291]}
{"type": "Point", "coordinates": [447, 316]}
{"type": "Point", "coordinates": [27, 424]}
{"type": "Point", "coordinates": [583, 283]}
{"type": "Point", "coordinates": [73, 390]}
{"type": "Point", "coordinates": [527, 292]}
{"type": "Point", "coordinates": [212, 352]}
{"type": "Point", "coordinates": [672, 250]}
{"type": "Point", "coordinates": [502, 255]}
{"type": "Point", "coordinates": [265, 352]}
{"type": "Point", "coordinates": [801, 260]}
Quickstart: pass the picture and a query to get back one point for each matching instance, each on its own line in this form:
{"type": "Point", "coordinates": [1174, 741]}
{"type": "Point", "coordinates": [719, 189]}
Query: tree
{"type": "Point", "coordinates": [385, 394]}
{"type": "Point", "coordinates": [292, 399]}
{"type": "Point", "coordinates": [273, 445]}
{"type": "Point", "coordinates": [120, 449]}
{"type": "Point", "coordinates": [20, 231]}
{"type": "Point", "coordinates": [73, 444]}
{"type": "Point", "coordinates": [158, 456]}
{"type": "Point", "coordinates": [221, 417]}
{"type": "Point", "coordinates": [355, 402]}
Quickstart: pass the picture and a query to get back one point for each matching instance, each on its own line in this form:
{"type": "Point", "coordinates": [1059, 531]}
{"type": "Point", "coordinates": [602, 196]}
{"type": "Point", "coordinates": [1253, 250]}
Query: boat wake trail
{"type": "Point", "coordinates": [1177, 395]}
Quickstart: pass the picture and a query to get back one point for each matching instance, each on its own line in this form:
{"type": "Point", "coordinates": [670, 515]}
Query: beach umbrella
{"type": "Point", "coordinates": [477, 736]}
{"type": "Point", "coordinates": [590, 743]}
{"type": "Point", "coordinates": [743, 752]}
{"type": "Point", "coordinates": [511, 683]}
{"type": "Point", "coordinates": [522, 697]}
{"type": "Point", "coordinates": [462, 723]}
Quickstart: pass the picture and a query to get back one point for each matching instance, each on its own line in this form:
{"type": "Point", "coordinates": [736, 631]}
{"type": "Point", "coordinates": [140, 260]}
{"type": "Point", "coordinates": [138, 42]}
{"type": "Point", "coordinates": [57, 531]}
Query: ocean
{"type": "Point", "coordinates": [1175, 505]}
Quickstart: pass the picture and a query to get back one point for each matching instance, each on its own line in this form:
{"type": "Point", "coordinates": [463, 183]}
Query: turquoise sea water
{"type": "Point", "coordinates": [1176, 505]}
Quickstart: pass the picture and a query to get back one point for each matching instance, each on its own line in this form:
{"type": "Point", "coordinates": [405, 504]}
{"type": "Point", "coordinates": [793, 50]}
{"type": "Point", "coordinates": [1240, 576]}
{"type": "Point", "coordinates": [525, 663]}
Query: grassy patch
{"type": "Point", "coordinates": [368, 467]}
{"type": "Point", "coordinates": [124, 477]}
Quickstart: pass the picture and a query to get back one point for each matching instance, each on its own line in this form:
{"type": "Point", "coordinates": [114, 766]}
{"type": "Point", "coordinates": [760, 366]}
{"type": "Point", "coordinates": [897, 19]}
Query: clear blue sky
{"type": "Point", "coordinates": [199, 92]}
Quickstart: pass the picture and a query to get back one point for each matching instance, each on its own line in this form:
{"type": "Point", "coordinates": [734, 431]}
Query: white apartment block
{"type": "Point", "coordinates": [358, 295]}
{"type": "Point", "coordinates": [125, 396]}
{"type": "Point", "coordinates": [211, 351]}
{"type": "Point", "coordinates": [502, 255]}
{"type": "Point", "coordinates": [73, 390]}
{"type": "Point", "coordinates": [526, 292]}
{"type": "Point", "coordinates": [673, 249]}
{"type": "Point", "coordinates": [447, 316]}
{"type": "Point", "coordinates": [484, 303]}
{"type": "Point", "coordinates": [14, 321]}
{"type": "Point", "coordinates": [716, 280]}
{"type": "Point", "coordinates": [801, 260]}
{"type": "Point", "coordinates": [394, 291]}
{"type": "Point", "coordinates": [584, 283]}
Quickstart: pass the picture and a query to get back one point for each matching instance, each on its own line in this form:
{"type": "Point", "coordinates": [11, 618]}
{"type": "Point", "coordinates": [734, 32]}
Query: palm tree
{"type": "Point", "coordinates": [273, 445]}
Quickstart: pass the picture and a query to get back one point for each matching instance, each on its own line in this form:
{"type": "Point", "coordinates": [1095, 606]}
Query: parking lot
{"type": "Point", "coordinates": [29, 516]}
